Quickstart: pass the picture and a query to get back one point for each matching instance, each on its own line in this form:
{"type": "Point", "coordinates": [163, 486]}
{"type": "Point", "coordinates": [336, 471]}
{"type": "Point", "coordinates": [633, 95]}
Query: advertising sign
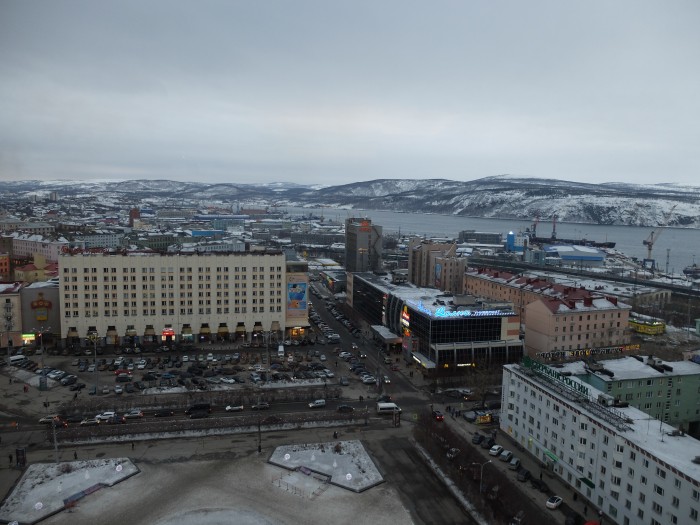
{"type": "Point", "coordinates": [297, 297]}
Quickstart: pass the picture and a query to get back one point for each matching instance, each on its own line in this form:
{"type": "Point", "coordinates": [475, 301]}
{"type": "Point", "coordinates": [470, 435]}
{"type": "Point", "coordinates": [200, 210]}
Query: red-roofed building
{"type": "Point", "coordinates": [557, 319]}
{"type": "Point", "coordinates": [581, 320]}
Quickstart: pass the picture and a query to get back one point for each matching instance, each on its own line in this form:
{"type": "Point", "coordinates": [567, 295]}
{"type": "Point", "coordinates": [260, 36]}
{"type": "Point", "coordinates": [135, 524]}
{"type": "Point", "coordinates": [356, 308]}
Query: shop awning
{"type": "Point", "coordinates": [186, 329]}
{"type": "Point", "coordinates": [205, 330]}
{"type": "Point", "coordinates": [240, 329]}
{"type": "Point", "coordinates": [223, 329]}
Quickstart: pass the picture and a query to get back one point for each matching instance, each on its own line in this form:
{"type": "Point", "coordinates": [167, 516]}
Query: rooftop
{"type": "Point", "coordinates": [630, 367]}
{"type": "Point", "coordinates": [434, 302]}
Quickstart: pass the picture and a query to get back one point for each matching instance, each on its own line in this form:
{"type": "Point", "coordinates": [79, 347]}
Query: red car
{"type": "Point", "coordinates": [437, 415]}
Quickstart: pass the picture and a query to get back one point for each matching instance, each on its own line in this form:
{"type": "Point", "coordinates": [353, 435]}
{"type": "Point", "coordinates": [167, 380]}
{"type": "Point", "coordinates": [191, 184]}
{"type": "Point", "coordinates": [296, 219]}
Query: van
{"type": "Point", "coordinates": [198, 407]}
{"type": "Point", "coordinates": [387, 408]}
{"type": "Point", "coordinates": [17, 359]}
{"type": "Point", "coordinates": [318, 403]}
{"type": "Point", "coordinates": [514, 464]}
{"type": "Point", "coordinates": [506, 456]}
{"type": "Point", "coordinates": [280, 351]}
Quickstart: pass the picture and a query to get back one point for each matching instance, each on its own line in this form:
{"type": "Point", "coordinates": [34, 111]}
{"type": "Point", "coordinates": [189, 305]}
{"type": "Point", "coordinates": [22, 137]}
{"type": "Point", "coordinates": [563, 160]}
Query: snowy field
{"type": "Point", "coordinates": [246, 490]}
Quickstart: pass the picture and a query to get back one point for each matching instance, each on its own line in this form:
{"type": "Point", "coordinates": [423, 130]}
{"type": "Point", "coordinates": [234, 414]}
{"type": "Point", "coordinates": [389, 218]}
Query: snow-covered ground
{"type": "Point", "coordinates": [245, 490]}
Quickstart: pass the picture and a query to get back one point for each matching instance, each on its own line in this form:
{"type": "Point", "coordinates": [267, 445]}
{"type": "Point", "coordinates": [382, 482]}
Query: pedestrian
{"type": "Point", "coordinates": [75, 455]}
{"type": "Point", "coordinates": [132, 445]}
{"type": "Point", "coordinates": [585, 509]}
{"type": "Point", "coordinates": [10, 456]}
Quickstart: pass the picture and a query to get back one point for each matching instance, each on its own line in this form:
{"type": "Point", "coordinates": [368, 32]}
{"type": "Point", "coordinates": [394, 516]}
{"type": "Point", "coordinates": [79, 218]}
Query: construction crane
{"type": "Point", "coordinates": [649, 262]}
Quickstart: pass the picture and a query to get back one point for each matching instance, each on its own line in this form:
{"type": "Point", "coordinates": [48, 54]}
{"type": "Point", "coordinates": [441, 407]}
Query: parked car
{"type": "Point", "coordinates": [495, 450]}
{"type": "Point", "coordinates": [488, 443]}
{"type": "Point", "coordinates": [76, 386]}
{"type": "Point", "coordinates": [452, 453]}
{"type": "Point", "coordinates": [523, 474]}
{"type": "Point", "coordinates": [553, 502]}
{"type": "Point", "coordinates": [345, 408]}
{"type": "Point", "coordinates": [136, 413]}
{"type": "Point", "coordinates": [89, 422]}
{"type": "Point", "coordinates": [263, 405]}
{"type": "Point", "coordinates": [163, 412]}
{"type": "Point", "coordinates": [477, 438]}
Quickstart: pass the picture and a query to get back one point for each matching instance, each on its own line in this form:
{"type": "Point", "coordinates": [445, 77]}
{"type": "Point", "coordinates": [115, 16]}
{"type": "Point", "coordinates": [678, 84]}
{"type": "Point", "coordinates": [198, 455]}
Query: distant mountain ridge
{"type": "Point", "coordinates": [499, 196]}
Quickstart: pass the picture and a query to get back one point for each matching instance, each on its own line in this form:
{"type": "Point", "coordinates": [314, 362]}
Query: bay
{"type": "Point", "coordinates": [674, 248]}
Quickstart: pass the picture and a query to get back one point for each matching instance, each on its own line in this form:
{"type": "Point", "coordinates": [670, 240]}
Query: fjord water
{"type": "Point", "coordinates": [683, 243]}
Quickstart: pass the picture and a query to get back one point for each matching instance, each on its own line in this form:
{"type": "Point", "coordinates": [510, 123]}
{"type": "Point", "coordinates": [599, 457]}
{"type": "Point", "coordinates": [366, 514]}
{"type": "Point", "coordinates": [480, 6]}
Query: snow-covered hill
{"type": "Point", "coordinates": [500, 196]}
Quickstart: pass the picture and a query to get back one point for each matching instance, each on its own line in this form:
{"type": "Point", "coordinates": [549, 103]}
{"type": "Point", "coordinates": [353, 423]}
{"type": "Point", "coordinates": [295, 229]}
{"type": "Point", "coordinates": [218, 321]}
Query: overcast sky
{"type": "Point", "coordinates": [330, 91]}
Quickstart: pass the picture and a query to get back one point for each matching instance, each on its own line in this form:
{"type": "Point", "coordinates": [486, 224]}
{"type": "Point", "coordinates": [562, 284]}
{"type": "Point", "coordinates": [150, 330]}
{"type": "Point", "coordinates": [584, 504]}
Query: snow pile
{"type": "Point", "coordinates": [45, 489]}
{"type": "Point", "coordinates": [345, 463]}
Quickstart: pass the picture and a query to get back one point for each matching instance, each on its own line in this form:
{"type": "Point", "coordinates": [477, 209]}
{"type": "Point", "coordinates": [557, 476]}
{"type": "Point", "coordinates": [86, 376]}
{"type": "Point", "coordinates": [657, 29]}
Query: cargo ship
{"type": "Point", "coordinates": [553, 239]}
{"type": "Point", "coordinates": [692, 271]}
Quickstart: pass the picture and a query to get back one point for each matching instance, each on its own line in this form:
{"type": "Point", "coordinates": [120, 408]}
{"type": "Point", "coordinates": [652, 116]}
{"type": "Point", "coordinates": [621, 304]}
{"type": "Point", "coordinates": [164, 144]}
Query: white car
{"type": "Point", "coordinates": [104, 416]}
{"type": "Point", "coordinates": [228, 380]}
{"type": "Point", "coordinates": [328, 372]}
{"type": "Point", "coordinates": [210, 357]}
{"type": "Point", "coordinates": [118, 389]}
{"type": "Point", "coordinates": [185, 359]}
{"type": "Point", "coordinates": [234, 408]}
{"type": "Point", "coordinates": [495, 450]}
{"type": "Point", "coordinates": [554, 502]}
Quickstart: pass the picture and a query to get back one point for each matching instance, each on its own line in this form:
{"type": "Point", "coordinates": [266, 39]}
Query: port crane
{"type": "Point", "coordinates": [649, 262]}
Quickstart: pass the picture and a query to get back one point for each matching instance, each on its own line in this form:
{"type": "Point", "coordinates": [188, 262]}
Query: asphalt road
{"type": "Point", "coordinates": [422, 492]}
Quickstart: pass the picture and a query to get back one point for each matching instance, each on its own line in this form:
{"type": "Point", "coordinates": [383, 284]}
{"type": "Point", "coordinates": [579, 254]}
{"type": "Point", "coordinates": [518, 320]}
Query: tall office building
{"type": "Point", "coordinates": [363, 245]}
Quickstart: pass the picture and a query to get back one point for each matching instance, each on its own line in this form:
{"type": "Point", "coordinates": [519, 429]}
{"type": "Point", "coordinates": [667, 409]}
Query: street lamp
{"type": "Point", "coordinates": [41, 332]}
{"type": "Point", "coordinates": [481, 477]}
{"type": "Point", "coordinates": [94, 337]}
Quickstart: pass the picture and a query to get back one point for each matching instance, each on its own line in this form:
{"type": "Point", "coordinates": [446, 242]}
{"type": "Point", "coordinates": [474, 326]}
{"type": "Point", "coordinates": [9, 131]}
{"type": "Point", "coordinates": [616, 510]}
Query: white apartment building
{"type": "Point", "coordinates": [175, 296]}
{"type": "Point", "coordinates": [634, 468]}
{"type": "Point", "coordinates": [26, 245]}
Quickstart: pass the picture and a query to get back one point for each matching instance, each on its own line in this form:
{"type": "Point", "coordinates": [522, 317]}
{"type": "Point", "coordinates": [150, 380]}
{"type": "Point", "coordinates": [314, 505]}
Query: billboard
{"type": "Point", "coordinates": [297, 297]}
